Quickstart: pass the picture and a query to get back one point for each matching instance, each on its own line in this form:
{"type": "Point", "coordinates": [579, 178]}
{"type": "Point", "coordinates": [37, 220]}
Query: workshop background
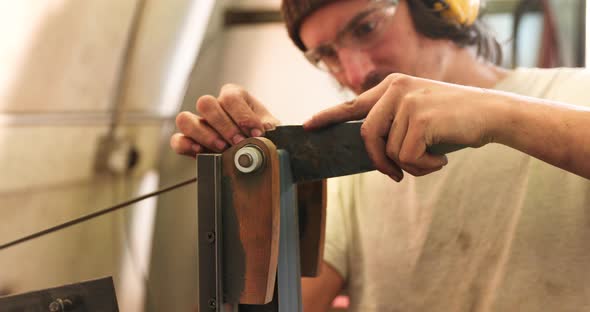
{"type": "Point", "coordinates": [88, 95]}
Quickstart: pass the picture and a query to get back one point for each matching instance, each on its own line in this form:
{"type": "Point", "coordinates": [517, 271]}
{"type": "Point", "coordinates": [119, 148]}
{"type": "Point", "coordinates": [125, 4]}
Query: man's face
{"type": "Point", "coordinates": [397, 47]}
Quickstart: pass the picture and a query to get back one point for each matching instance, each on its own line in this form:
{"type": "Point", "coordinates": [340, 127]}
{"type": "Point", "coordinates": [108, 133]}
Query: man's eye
{"type": "Point", "coordinates": [364, 29]}
{"type": "Point", "coordinates": [326, 51]}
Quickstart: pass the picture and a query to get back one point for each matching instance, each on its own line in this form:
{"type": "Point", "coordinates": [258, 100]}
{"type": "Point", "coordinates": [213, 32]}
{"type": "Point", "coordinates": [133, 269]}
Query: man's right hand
{"type": "Point", "coordinates": [222, 122]}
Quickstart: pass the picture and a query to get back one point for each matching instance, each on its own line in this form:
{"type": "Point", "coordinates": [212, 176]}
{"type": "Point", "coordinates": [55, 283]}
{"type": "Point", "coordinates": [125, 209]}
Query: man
{"type": "Point", "coordinates": [496, 229]}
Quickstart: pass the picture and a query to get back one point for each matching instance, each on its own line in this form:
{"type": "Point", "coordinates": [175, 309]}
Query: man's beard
{"type": "Point", "coordinates": [373, 79]}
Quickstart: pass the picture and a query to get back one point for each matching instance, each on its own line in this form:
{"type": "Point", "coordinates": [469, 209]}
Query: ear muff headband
{"type": "Point", "coordinates": [462, 12]}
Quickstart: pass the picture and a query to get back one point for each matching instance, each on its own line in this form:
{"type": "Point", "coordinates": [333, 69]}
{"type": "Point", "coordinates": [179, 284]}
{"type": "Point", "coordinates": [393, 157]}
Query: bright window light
{"type": "Point", "coordinates": [587, 33]}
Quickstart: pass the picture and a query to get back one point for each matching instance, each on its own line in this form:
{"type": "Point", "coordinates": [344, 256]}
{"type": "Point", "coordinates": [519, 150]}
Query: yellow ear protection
{"type": "Point", "coordinates": [461, 12]}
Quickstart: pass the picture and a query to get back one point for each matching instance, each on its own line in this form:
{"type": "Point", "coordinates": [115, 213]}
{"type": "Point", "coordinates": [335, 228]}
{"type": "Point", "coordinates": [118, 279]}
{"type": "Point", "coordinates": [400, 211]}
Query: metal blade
{"type": "Point", "coordinates": [335, 151]}
{"type": "Point", "coordinates": [330, 152]}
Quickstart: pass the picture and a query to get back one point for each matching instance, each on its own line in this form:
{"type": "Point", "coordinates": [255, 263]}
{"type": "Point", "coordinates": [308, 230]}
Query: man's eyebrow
{"type": "Point", "coordinates": [352, 23]}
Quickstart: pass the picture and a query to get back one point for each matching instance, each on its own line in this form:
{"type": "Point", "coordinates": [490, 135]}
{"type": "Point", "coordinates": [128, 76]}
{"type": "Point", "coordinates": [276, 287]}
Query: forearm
{"type": "Point", "coordinates": [319, 292]}
{"type": "Point", "coordinates": [556, 133]}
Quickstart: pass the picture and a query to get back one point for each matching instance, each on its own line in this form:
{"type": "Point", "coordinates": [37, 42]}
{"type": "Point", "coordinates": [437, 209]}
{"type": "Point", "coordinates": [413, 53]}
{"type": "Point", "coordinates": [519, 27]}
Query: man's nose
{"type": "Point", "coordinates": [356, 65]}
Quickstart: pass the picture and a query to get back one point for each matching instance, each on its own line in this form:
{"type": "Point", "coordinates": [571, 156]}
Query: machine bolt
{"type": "Point", "coordinates": [248, 159]}
{"type": "Point", "coordinates": [60, 305]}
{"type": "Point", "coordinates": [212, 304]}
{"type": "Point", "coordinates": [210, 237]}
{"type": "Point", "coordinates": [245, 160]}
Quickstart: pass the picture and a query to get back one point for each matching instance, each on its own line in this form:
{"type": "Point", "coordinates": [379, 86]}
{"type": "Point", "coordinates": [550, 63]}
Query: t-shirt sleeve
{"type": "Point", "coordinates": [571, 85]}
{"type": "Point", "coordinates": [337, 237]}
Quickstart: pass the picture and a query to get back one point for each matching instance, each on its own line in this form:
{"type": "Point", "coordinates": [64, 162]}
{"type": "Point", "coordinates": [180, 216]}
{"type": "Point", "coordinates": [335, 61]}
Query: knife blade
{"type": "Point", "coordinates": [335, 151]}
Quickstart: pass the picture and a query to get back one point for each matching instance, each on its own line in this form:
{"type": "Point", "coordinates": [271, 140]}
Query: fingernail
{"type": "Point", "coordinates": [196, 148]}
{"type": "Point", "coordinates": [238, 138]}
{"type": "Point", "coordinates": [394, 177]}
{"type": "Point", "coordinates": [445, 160]}
{"type": "Point", "coordinates": [220, 144]}
{"type": "Point", "coordinates": [256, 132]}
{"type": "Point", "coordinates": [268, 126]}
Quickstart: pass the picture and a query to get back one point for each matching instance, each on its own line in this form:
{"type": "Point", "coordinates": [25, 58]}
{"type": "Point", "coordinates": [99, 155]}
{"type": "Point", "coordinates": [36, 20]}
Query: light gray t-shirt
{"type": "Point", "coordinates": [494, 230]}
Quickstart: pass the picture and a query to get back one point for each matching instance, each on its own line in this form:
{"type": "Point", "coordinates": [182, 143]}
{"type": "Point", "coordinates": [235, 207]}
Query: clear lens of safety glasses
{"type": "Point", "coordinates": [361, 32]}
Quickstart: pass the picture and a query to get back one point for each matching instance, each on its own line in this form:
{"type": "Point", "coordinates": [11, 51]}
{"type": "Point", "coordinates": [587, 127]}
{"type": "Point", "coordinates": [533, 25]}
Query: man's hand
{"type": "Point", "coordinates": [223, 121]}
{"type": "Point", "coordinates": [405, 115]}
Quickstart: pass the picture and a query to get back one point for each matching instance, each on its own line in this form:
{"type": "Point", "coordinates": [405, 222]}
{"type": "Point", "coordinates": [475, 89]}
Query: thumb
{"type": "Point", "coordinates": [352, 110]}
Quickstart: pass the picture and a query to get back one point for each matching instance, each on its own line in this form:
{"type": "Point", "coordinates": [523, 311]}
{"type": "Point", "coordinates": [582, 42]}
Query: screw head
{"type": "Point", "coordinates": [212, 303]}
{"type": "Point", "coordinates": [55, 307]}
{"type": "Point", "coordinates": [210, 237]}
{"type": "Point", "coordinates": [61, 305]}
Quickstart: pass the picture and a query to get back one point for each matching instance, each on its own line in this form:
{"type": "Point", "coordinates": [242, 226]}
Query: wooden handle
{"type": "Point", "coordinates": [311, 198]}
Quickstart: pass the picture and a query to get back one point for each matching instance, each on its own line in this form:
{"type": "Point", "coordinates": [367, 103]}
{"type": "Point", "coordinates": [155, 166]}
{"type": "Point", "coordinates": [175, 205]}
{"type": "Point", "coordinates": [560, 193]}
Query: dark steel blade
{"type": "Point", "coordinates": [335, 151]}
{"type": "Point", "coordinates": [330, 152]}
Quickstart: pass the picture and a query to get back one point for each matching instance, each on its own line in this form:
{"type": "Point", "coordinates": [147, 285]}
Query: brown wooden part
{"type": "Point", "coordinates": [256, 208]}
{"type": "Point", "coordinates": [272, 306]}
{"type": "Point", "coordinates": [311, 200]}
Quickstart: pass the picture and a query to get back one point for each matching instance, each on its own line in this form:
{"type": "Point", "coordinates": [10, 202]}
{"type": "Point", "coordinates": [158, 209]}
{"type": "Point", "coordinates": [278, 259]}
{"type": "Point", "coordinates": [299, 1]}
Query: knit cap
{"type": "Point", "coordinates": [294, 12]}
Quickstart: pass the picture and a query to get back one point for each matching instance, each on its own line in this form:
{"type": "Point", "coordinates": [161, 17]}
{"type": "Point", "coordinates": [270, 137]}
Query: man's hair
{"type": "Point", "coordinates": [426, 21]}
{"type": "Point", "coordinates": [433, 25]}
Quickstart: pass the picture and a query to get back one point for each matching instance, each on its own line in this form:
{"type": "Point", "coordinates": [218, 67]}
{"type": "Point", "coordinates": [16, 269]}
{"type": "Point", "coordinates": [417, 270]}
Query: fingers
{"type": "Point", "coordinates": [239, 106]}
{"type": "Point", "coordinates": [269, 122]}
{"type": "Point", "coordinates": [223, 121]}
{"type": "Point", "coordinates": [399, 139]}
{"type": "Point", "coordinates": [352, 110]}
{"type": "Point", "coordinates": [413, 151]}
{"type": "Point", "coordinates": [407, 141]}
{"type": "Point", "coordinates": [197, 129]}
{"type": "Point", "coordinates": [375, 131]}
{"type": "Point", "coordinates": [395, 131]}
{"type": "Point", "coordinates": [183, 145]}
{"type": "Point", "coordinates": [215, 116]}
{"type": "Point", "coordinates": [376, 151]}
{"type": "Point", "coordinates": [397, 134]}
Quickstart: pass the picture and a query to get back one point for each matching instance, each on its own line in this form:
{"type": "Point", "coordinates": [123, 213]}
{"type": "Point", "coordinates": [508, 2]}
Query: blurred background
{"type": "Point", "coordinates": [88, 95]}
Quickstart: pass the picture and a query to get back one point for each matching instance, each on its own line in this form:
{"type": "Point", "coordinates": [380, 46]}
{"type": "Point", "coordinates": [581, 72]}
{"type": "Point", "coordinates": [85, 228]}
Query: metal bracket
{"type": "Point", "coordinates": [209, 232]}
{"type": "Point", "coordinates": [289, 271]}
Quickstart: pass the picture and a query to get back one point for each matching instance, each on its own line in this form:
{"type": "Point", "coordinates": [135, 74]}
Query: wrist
{"type": "Point", "coordinates": [504, 117]}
